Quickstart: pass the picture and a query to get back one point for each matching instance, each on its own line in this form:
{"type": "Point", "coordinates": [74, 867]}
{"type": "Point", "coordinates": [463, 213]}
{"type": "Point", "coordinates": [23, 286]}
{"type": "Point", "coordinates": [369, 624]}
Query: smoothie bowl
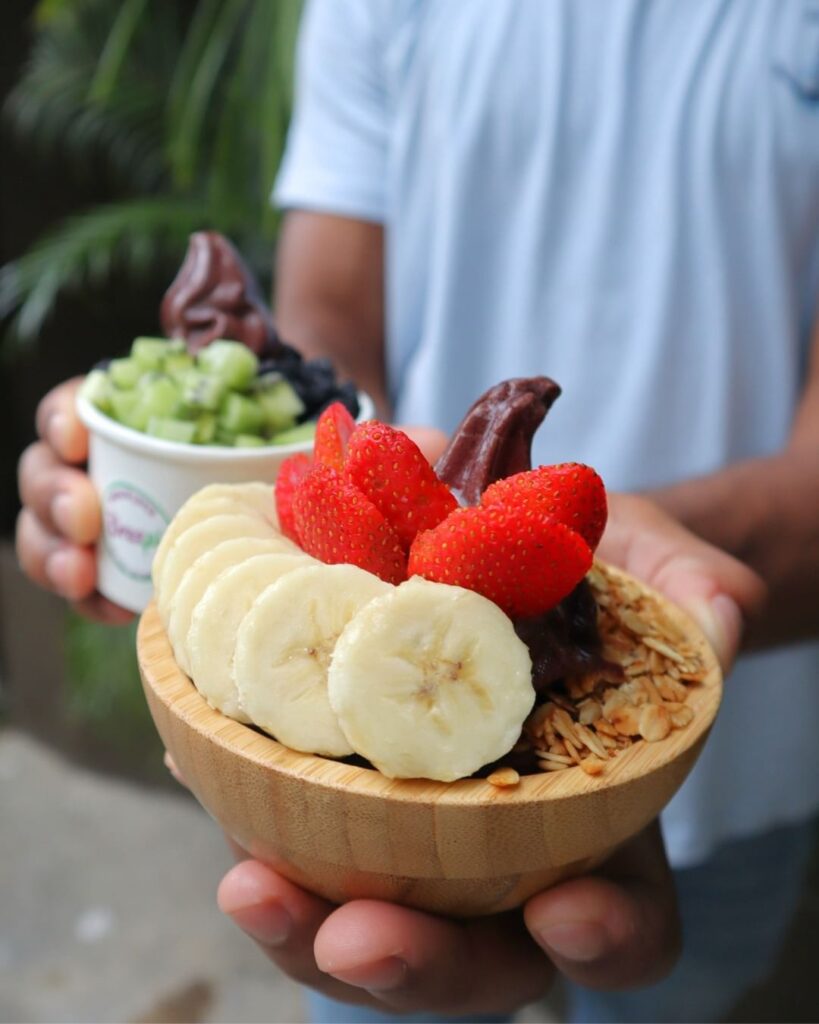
{"type": "Point", "coordinates": [420, 685]}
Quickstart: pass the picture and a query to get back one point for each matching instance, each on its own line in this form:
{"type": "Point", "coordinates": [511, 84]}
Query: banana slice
{"type": "Point", "coordinates": [211, 639]}
{"type": "Point", "coordinates": [283, 649]}
{"type": "Point", "coordinates": [215, 499]}
{"type": "Point", "coordinates": [430, 681]}
{"type": "Point", "coordinates": [195, 541]}
{"type": "Point", "coordinates": [203, 572]}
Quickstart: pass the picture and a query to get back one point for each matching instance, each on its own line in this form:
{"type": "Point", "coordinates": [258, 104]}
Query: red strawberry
{"type": "Point", "coordinates": [569, 493]}
{"type": "Point", "coordinates": [522, 561]}
{"type": "Point", "coordinates": [333, 430]}
{"type": "Point", "coordinates": [336, 523]}
{"type": "Point", "coordinates": [291, 472]}
{"type": "Point", "coordinates": [389, 469]}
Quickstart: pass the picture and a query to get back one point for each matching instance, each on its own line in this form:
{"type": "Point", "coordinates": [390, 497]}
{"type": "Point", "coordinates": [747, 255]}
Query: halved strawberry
{"type": "Point", "coordinates": [389, 468]}
{"type": "Point", "coordinates": [333, 430]}
{"type": "Point", "coordinates": [291, 472]}
{"type": "Point", "coordinates": [337, 524]}
{"type": "Point", "coordinates": [569, 493]}
{"type": "Point", "coordinates": [517, 558]}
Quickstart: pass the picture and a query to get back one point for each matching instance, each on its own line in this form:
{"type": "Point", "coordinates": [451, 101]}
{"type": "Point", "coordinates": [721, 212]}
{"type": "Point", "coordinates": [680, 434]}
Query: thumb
{"type": "Point", "coordinates": [617, 928]}
{"type": "Point", "coordinates": [716, 590]}
{"type": "Point", "coordinates": [716, 613]}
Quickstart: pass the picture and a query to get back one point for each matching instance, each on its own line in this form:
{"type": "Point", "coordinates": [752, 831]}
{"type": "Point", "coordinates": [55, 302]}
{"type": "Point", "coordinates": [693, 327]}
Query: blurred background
{"type": "Point", "coordinates": [127, 124]}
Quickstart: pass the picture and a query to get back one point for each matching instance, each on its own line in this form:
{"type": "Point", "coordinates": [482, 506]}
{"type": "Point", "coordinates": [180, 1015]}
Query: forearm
{"type": "Point", "coordinates": [329, 296]}
{"type": "Point", "coordinates": [766, 513]}
{"type": "Point", "coordinates": [326, 331]}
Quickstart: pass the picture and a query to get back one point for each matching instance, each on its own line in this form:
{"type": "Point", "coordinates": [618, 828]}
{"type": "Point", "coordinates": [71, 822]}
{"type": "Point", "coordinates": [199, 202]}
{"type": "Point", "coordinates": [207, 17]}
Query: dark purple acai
{"type": "Point", "coordinates": [493, 441]}
{"type": "Point", "coordinates": [214, 295]}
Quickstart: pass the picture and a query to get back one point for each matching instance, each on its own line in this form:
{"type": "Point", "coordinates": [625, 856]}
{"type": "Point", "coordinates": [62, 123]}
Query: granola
{"type": "Point", "coordinates": [585, 720]}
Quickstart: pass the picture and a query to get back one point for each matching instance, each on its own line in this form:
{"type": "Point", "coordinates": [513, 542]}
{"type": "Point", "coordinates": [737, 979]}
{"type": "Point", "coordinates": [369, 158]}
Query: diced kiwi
{"type": "Point", "coordinates": [241, 415]}
{"type": "Point", "coordinates": [157, 398]}
{"type": "Point", "coordinates": [280, 405]}
{"type": "Point", "coordinates": [231, 362]}
{"type": "Point", "coordinates": [225, 437]}
{"type": "Point", "coordinates": [205, 428]}
{"type": "Point", "coordinates": [201, 391]}
{"type": "Point", "coordinates": [125, 373]}
{"type": "Point", "coordinates": [222, 395]}
{"type": "Point", "coordinates": [171, 430]}
{"type": "Point", "coordinates": [149, 352]}
{"type": "Point", "coordinates": [176, 363]}
{"type": "Point", "coordinates": [97, 389]}
{"type": "Point", "coordinates": [296, 435]}
{"type": "Point", "coordinates": [123, 404]}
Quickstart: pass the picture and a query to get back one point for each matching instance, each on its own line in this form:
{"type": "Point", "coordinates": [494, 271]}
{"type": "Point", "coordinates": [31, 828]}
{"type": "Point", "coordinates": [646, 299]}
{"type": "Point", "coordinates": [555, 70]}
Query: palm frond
{"type": "Point", "coordinates": [192, 96]}
{"type": "Point", "coordinates": [189, 110]}
{"type": "Point", "coordinates": [252, 123]}
{"type": "Point", "coordinates": [121, 122]}
{"type": "Point", "coordinates": [47, 11]}
{"type": "Point", "coordinates": [116, 49]}
{"type": "Point", "coordinates": [83, 251]}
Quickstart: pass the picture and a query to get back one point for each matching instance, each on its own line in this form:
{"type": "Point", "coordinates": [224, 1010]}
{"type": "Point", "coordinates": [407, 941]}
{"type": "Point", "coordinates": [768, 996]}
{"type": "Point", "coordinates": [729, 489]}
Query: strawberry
{"type": "Point", "coordinates": [517, 558]}
{"type": "Point", "coordinates": [291, 472]}
{"type": "Point", "coordinates": [569, 493]}
{"type": "Point", "coordinates": [389, 469]}
{"type": "Point", "coordinates": [333, 430]}
{"type": "Point", "coordinates": [336, 523]}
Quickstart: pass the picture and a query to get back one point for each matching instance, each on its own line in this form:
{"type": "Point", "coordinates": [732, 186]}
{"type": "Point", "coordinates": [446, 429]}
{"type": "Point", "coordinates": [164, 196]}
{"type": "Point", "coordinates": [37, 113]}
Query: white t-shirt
{"type": "Point", "coordinates": [623, 196]}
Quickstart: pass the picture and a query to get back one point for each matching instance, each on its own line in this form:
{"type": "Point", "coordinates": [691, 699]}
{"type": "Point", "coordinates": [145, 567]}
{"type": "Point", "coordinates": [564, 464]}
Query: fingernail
{"type": "Point", "coordinates": [62, 512]}
{"type": "Point", "coordinates": [582, 941]}
{"type": "Point", "coordinates": [721, 621]}
{"type": "Point", "coordinates": [381, 976]}
{"type": "Point", "coordinates": [170, 764]}
{"type": "Point", "coordinates": [56, 427]}
{"type": "Point", "coordinates": [268, 923]}
{"type": "Point", "coordinates": [58, 568]}
{"type": "Point", "coordinates": [244, 897]}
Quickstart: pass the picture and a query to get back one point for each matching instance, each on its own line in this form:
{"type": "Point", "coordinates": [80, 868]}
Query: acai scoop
{"type": "Point", "coordinates": [494, 441]}
{"type": "Point", "coordinates": [215, 296]}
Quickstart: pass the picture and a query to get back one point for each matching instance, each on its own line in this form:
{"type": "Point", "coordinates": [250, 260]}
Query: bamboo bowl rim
{"type": "Point", "coordinates": [176, 691]}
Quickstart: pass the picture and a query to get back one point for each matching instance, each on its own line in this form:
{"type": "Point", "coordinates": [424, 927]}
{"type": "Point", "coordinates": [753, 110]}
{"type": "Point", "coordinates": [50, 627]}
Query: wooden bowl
{"type": "Point", "coordinates": [463, 848]}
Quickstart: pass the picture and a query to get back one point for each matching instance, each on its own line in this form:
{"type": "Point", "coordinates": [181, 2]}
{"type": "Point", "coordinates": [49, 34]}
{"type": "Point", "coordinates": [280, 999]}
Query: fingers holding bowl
{"type": "Point", "coordinates": [283, 919]}
{"type": "Point", "coordinates": [383, 955]}
{"type": "Point", "coordinates": [48, 560]}
{"type": "Point", "coordinates": [61, 497]}
{"type": "Point", "coordinates": [69, 570]}
{"type": "Point", "coordinates": [618, 928]}
{"type": "Point", "coordinates": [61, 517]}
{"type": "Point", "coordinates": [58, 424]}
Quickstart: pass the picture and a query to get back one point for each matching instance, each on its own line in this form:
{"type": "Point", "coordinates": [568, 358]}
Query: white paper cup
{"type": "Point", "coordinates": [142, 482]}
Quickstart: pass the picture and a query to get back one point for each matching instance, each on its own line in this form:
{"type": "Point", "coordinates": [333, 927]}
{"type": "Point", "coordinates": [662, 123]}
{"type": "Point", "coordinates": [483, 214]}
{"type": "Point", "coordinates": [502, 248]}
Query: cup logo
{"type": "Point", "coordinates": [133, 524]}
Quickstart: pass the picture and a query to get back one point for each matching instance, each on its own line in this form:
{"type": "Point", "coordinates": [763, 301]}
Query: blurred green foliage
{"type": "Point", "coordinates": [178, 109]}
{"type": "Point", "coordinates": [104, 693]}
{"type": "Point", "coordinates": [181, 105]}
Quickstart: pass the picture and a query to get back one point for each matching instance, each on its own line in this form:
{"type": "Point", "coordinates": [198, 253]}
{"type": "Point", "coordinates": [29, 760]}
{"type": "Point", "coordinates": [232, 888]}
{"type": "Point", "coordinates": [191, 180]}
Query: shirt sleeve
{"type": "Point", "coordinates": [336, 153]}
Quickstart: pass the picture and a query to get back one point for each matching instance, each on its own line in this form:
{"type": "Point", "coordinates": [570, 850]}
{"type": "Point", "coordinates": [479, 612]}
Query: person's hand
{"type": "Point", "coordinates": [612, 930]}
{"type": "Point", "coordinates": [718, 591]}
{"type": "Point", "coordinates": [60, 519]}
